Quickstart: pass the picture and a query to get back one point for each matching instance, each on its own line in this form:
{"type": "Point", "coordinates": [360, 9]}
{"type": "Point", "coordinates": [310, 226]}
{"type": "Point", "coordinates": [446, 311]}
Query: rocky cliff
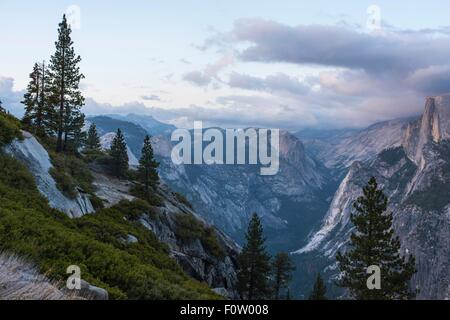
{"type": "Point", "coordinates": [219, 271]}
{"type": "Point", "coordinates": [226, 196]}
{"type": "Point", "coordinates": [31, 153]}
{"type": "Point", "coordinates": [195, 257]}
{"type": "Point", "coordinates": [416, 177]}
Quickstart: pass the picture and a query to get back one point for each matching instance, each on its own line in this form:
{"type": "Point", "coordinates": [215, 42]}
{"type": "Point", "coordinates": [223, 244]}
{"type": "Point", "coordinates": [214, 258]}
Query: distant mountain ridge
{"type": "Point", "coordinates": [306, 207]}
{"type": "Point", "coordinates": [414, 169]}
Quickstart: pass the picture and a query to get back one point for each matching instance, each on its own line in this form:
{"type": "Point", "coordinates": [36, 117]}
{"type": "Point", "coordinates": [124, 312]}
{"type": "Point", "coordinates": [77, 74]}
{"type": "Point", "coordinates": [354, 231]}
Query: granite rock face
{"type": "Point", "coordinates": [218, 272]}
{"type": "Point", "coordinates": [416, 177]}
{"type": "Point", "coordinates": [33, 155]}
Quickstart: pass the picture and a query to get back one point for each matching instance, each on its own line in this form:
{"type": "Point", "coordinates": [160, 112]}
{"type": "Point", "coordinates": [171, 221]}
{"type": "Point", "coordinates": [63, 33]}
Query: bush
{"type": "Point", "coordinates": [189, 229]}
{"type": "Point", "coordinates": [90, 156]}
{"type": "Point", "coordinates": [9, 129]}
{"type": "Point", "coordinates": [143, 270]}
{"type": "Point", "coordinates": [71, 172]}
{"type": "Point", "coordinates": [150, 196]}
{"type": "Point", "coordinates": [96, 202]}
{"type": "Point", "coordinates": [183, 200]}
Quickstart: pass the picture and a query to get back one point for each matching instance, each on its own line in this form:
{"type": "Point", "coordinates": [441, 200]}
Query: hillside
{"type": "Point", "coordinates": [115, 247]}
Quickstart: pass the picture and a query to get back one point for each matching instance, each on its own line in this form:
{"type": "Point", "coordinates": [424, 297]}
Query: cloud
{"type": "Point", "coordinates": [211, 71]}
{"type": "Point", "coordinates": [433, 79]}
{"type": "Point", "coordinates": [279, 82]}
{"type": "Point", "coordinates": [355, 78]}
{"type": "Point", "coordinates": [337, 46]}
{"type": "Point", "coordinates": [152, 97]}
{"type": "Point", "coordinates": [11, 98]}
{"type": "Point", "coordinates": [197, 78]}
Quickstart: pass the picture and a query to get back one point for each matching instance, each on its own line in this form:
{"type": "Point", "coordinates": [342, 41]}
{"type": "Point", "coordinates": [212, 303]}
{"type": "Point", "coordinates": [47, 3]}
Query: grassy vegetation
{"type": "Point", "coordinates": [188, 229]}
{"type": "Point", "coordinates": [9, 129]}
{"type": "Point", "coordinates": [96, 243]}
{"type": "Point", "coordinates": [70, 172]}
{"type": "Point", "coordinates": [150, 196]}
{"type": "Point", "coordinates": [183, 200]}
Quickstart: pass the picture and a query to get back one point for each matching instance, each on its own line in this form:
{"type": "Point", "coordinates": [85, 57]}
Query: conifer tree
{"type": "Point", "coordinates": [254, 263]}
{"type": "Point", "coordinates": [36, 100]}
{"type": "Point", "coordinates": [2, 110]}
{"type": "Point", "coordinates": [93, 139]}
{"type": "Point", "coordinates": [119, 155]}
{"type": "Point", "coordinates": [147, 166]}
{"type": "Point", "coordinates": [67, 119]}
{"type": "Point", "coordinates": [319, 290]}
{"type": "Point", "coordinates": [282, 268]}
{"type": "Point", "coordinates": [374, 244]}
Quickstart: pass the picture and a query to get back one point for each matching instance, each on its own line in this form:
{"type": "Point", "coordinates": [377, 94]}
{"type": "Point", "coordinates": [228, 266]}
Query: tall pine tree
{"type": "Point", "coordinates": [319, 290]}
{"type": "Point", "coordinates": [2, 110]}
{"type": "Point", "coordinates": [93, 139]}
{"type": "Point", "coordinates": [147, 166]}
{"type": "Point", "coordinates": [36, 100]}
{"type": "Point", "coordinates": [67, 120]}
{"type": "Point", "coordinates": [119, 155]}
{"type": "Point", "coordinates": [374, 243]}
{"type": "Point", "coordinates": [282, 268]}
{"type": "Point", "coordinates": [254, 263]}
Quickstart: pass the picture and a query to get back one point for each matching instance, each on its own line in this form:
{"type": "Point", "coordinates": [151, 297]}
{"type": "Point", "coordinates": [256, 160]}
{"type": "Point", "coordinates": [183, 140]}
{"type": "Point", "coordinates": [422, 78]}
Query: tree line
{"type": "Point", "coordinates": [53, 110]}
{"type": "Point", "coordinates": [53, 99]}
{"type": "Point", "coordinates": [373, 243]}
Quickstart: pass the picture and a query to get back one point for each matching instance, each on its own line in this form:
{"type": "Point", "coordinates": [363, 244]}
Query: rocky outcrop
{"type": "Point", "coordinates": [34, 156]}
{"type": "Point", "coordinates": [340, 149]}
{"type": "Point", "coordinates": [416, 178]}
{"type": "Point", "coordinates": [433, 126]}
{"type": "Point", "coordinates": [218, 272]}
{"type": "Point", "coordinates": [227, 195]}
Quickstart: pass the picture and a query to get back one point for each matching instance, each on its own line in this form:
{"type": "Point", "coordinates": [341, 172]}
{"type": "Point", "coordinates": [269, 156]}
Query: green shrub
{"type": "Point", "coordinates": [90, 156]}
{"type": "Point", "coordinates": [9, 129]}
{"type": "Point", "coordinates": [183, 200]}
{"type": "Point", "coordinates": [150, 196]}
{"type": "Point", "coordinates": [71, 172]}
{"type": "Point", "coordinates": [143, 270]}
{"type": "Point", "coordinates": [96, 202]}
{"type": "Point", "coordinates": [189, 229]}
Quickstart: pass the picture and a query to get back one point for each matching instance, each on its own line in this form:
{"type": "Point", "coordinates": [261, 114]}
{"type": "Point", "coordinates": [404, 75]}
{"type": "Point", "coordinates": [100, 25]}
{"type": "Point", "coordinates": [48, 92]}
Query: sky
{"type": "Point", "coordinates": [277, 64]}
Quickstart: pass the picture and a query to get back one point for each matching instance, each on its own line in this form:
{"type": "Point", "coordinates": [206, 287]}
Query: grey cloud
{"type": "Point", "coordinates": [211, 71]}
{"type": "Point", "coordinates": [381, 52]}
{"type": "Point", "coordinates": [11, 98]}
{"type": "Point", "coordinates": [152, 97]}
{"type": "Point", "coordinates": [272, 83]}
{"type": "Point", "coordinates": [433, 80]}
{"type": "Point", "coordinates": [198, 78]}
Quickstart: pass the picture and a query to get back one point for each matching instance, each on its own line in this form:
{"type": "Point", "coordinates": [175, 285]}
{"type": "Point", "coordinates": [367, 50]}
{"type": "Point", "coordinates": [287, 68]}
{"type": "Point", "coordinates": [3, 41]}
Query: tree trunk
{"type": "Point", "coordinates": [59, 146]}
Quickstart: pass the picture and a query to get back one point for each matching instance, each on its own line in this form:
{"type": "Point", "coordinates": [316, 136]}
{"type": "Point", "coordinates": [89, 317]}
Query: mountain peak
{"type": "Point", "coordinates": [433, 126]}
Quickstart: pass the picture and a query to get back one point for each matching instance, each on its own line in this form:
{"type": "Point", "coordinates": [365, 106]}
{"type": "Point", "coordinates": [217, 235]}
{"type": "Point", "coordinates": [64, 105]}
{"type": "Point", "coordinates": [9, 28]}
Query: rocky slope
{"type": "Point", "coordinates": [31, 153]}
{"type": "Point", "coordinates": [195, 257]}
{"type": "Point", "coordinates": [293, 201]}
{"type": "Point", "coordinates": [219, 272]}
{"type": "Point", "coordinates": [340, 148]}
{"type": "Point", "coordinates": [288, 203]}
{"type": "Point", "coordinates": [415, 174]}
